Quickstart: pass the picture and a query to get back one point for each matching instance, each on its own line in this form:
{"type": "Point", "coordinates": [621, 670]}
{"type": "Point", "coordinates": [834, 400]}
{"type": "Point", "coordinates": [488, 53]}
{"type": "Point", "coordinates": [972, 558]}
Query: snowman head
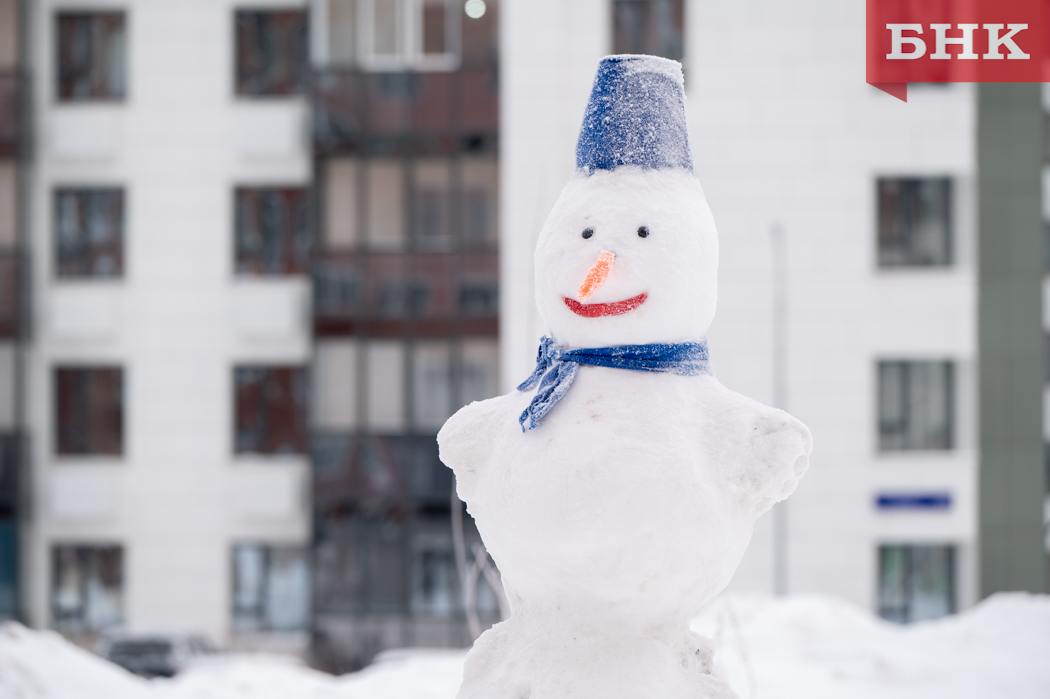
{"type": "Point", "coordinates": [629, 253]}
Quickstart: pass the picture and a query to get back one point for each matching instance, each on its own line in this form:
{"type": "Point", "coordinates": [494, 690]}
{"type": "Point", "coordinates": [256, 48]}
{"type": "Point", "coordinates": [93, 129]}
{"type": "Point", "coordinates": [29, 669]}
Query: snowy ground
{"type": "Point", "coordinates": [804, 647]}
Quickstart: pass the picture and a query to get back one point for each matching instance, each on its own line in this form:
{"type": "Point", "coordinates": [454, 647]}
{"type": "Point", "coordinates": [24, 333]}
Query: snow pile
{"type": "Point", "coordinates": [797, 648]}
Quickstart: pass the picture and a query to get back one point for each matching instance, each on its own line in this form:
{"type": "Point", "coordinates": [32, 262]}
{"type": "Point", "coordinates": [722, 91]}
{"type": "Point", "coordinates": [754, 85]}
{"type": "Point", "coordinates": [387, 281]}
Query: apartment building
{"type": "Point", "coordinates": [166, 377]}
{"type": "Point", "coordinates": [13, 325]}
{"type": "Point", "coordinates": [406, 278]}
{"type": "Point", "coordinates": [876, 280]}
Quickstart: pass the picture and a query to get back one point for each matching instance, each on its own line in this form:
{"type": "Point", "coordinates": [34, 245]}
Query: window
{"type": "Point", "coordinates": [916, 582]}
{"type": "Point", "coordinates": [654, 27]}
{"type": "Point", "coordinates": [270, 404]}
{"type": "Point", "coordinates": [271, 588]}
{"type": "Point", "coordinates": [272, 52]}
{"type": "Point", "coordinates": [89, 411]}
{"type": "Point", "coordinates": [914, 221]}
{"type": "Point", "coordinates": [399, 34]}
{"type": "Point", "coordinates": [916, 402]}
{"type": "Point", "coordinates": [89, 232]}
{"type": "Point", "coordinates": [432, 385]}
{"type": "Point", "coordinates": [87, 587]}
{"type": "Point", "coordinates": [434, 584]}
{"type": "Point", "coordinates": [8, 568]}
{"type": "Point", "coordinates": [92, 56]}
{"type": "Point", "coordinates": [272, 230]}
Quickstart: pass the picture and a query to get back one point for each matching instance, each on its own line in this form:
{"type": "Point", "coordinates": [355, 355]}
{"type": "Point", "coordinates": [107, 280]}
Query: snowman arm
{"type": "Point", "coordinates": [762, 451]}
{"type": "Point", "coordinates": [465, 442]}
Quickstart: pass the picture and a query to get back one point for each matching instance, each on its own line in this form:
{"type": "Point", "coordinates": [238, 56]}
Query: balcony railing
{"type": "Point", "coordinates": [357, 111]}
{"type": "Point", "coordinates": [12, 284]}
{"type": "Point", "coordinates": [11, 122]}
{"type": "Point", "coordinates": [387, 293]}
{"type": "Point", "coordinates": [376, 472]}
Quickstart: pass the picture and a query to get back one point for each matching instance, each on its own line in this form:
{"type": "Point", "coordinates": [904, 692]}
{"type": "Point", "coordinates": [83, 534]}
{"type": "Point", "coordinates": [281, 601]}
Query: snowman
{"type": "Point", "coordinates": [617, 488]}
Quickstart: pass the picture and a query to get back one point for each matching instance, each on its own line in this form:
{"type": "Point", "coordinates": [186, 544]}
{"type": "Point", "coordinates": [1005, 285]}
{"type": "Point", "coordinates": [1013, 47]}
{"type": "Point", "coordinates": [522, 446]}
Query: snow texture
{"type": "Point", "coordinates": [630, 508]}
{"type": "Point", "coordinates": [635, 116]}
{"type": "Point", "coordinates": [556, 369]}
{"type": "Point", "coordinates": [793, 648]}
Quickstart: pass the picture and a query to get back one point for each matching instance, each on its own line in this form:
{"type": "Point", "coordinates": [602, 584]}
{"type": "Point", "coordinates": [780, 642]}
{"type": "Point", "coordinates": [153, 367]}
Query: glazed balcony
{"type": "Point", "coordinates": [375, 473]}
{"type": "Point", "coordinates": [425, 294]}
{"type": "Point", "coordinates": [10, 470]}
{"type": "Point", "coordinates": [11, 299]}
{"type": "Point", "coordinates": [406, 112]}
{"type": "Point", "coordinates": [11, 120]}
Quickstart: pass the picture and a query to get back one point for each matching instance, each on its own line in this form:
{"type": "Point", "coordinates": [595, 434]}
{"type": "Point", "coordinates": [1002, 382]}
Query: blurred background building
{"type": "Point", "coordinates": [253, 254]}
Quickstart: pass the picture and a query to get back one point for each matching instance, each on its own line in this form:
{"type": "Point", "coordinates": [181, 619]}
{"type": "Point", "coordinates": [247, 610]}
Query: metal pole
{"type": "Point", "coordinates": [778, 247]}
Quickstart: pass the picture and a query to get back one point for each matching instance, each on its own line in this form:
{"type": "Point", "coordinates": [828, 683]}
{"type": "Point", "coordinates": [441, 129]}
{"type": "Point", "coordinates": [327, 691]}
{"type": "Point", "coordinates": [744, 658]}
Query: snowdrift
{"type": "Point", "coordinates": [794, 648]}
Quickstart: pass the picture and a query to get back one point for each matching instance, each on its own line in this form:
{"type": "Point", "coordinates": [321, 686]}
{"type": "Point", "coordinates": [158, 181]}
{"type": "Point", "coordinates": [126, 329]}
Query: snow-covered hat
{"type": "Point", "coordinates": [635, 116]}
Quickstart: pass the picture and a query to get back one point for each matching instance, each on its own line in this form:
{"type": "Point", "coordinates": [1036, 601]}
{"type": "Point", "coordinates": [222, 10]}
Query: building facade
{"type": "Point", "coordinates": [243, 285]}
{"type": "Point", "coordinates": [13, 317]}
{"type": "Point", "coordinates": [406, 279]}
{"type": "Point", "coordinates": [166, 378]}
{"type": "Point", "coordinates": [860, 289]}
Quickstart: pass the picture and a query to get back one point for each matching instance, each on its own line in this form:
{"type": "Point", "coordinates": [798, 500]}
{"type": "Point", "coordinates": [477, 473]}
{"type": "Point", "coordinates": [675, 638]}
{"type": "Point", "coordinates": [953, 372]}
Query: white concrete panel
{"type": "Point", "coordinates": [84, 132]}
{"type": "Point", "coordinates": [268, 491]}
{"type": "Point", "coordinates": [264, 131]}
{"type": "Point", "coordinates": [85, 311]}
{"type": "Point", "coordinates": [271, 310]}
{"type": "Point", "coordinates": [84, 491]}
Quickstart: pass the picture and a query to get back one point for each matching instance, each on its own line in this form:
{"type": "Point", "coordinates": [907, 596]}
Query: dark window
{"type": "Point", "coordinates": [92, 56]}
{"type": "Point", "coordinates": [272, 52]}
{"type": "Point", "coordinates": [654, 27]}
{"type": "Point", "coordinates": [916, 582]}
{"type": "Point", "coordinates": [272, 230]}
{"type": "Point", "coordinates": [916, 405]}
{"type": "Point", "coordinates": [89, 411]}
{"type": "Point", "coordinates": [8, 568]}
{"type": "Point", "coordinates": [87, 587]}
{"type": "Point", "coordinates": [270, 410]}
{"type": "Point", "coordinates": [914, 222]}
{"type": "Point", "coordinates": [271, 588]}
{"type": "Point", "coordinates": [89, 232]}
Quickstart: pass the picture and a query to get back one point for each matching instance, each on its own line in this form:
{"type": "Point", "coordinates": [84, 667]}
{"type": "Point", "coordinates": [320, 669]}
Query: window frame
{"type": "Point", "coordinates": [122, 392]}
{"type": "Point", "coordinates": [951, 401]}
{"type": "Point", "coordinates": [950, 223]}
{"type": "Point", "coordinates": [292, 267]}
{"type": "Point", "coordinates": [301, 417]}
{"type": "Point", "coordinates": [261, 614]}
{"type": "Point", "coordinates": [57, 191]}
{"type": "Point", "coordinates": [297, 91]}
{"type": "Point", "coordinates": [951, 548]}
{"type": "Point", "coordinates": [412, 57]}
{"type": "Point", "coordinates": [91, 11]}
{"type": "Point", "coordinates": [681, 6]}
{"type": "Point", "coordinates": [79, 549]}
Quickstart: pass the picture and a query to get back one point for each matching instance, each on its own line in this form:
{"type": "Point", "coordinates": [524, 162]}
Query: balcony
{"type": "Point", "coordinates": [11, 122]}
{"type": "Point", "coordinates": [422, 294]}
{"type": "Point", "coordinates": [407, 112]}
{"type": "Point", "coordinates": [10, 470]}
{"type": "Point", "coordinates": [373, 473]}
{"type": "Point", "coordinates": [11, 286]}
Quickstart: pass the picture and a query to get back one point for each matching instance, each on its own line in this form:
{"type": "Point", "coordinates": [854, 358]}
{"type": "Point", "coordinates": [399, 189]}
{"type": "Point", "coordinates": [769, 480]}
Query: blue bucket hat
{"type": "Point", "coordinates": [635, 116]}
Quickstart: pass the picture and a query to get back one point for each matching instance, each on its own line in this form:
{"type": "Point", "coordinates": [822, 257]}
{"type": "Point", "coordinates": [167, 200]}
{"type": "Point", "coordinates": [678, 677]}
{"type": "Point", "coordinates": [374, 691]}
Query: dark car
{"type": "Point", "coordinates": [155, 655]}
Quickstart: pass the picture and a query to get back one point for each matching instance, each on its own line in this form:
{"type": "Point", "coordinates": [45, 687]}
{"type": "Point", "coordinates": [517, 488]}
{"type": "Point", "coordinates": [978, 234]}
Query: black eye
{"type": "Point", "coordinates": [587, 233]}
{"type": "Point", "coordinates": [643, 231]}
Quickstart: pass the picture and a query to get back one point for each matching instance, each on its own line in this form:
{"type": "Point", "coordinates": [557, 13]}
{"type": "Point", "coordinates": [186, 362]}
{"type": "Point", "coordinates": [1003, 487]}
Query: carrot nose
{"type": "Point", "coordinates": [597, 274]}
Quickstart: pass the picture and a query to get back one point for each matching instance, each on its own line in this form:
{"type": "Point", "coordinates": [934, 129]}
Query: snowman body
{"type": "Point", "coordinates": [632, 502]}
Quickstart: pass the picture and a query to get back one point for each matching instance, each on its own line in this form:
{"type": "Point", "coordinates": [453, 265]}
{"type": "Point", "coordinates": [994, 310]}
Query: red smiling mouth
{"type": "Point", "coordinates": [614, 308]}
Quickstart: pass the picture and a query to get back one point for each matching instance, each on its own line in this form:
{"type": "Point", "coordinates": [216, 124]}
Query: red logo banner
{"type": "Point", "coordinates": [955, 41]}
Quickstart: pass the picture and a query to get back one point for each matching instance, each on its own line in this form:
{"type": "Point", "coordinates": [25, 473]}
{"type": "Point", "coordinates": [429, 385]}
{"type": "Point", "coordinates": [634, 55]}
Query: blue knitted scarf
{"type": "Point", "coordinates": [556, 368]}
